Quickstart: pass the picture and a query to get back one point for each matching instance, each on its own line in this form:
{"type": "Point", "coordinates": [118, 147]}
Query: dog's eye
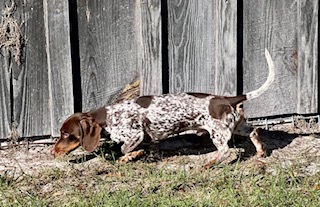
{"type": "Point", "coordinates": [64, 134]}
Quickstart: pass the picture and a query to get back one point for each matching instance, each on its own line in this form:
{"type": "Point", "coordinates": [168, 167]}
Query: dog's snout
{"type": "Point", "coordinates": [53, 152]}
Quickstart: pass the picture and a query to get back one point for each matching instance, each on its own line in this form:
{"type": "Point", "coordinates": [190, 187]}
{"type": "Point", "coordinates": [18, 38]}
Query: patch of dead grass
{"type": "Point", "coordinates": [11, 39]}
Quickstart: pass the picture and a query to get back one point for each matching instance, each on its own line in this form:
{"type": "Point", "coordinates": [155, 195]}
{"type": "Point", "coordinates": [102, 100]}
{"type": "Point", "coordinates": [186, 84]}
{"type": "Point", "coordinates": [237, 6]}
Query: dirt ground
{"type": "Point", "coordinates": [284, 144]}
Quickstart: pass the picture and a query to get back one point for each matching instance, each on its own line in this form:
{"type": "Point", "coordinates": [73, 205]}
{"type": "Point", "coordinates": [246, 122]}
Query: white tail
{"type": "Point", "coordinates": [256, 93]}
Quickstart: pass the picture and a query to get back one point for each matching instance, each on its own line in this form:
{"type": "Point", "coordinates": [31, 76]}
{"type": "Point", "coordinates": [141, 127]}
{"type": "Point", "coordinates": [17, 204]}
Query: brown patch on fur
{"type": "Point", "coordinates": [144, 101]}
{"type": "Point", "coordinates": [235, 100]}
{"type": "Point", "coordinates": [70, 135]}
{"type": "Point", "coordinates": [219, 106]}
{"type": "Point", "coordinates": [99, 115]}
{"type": "Point", "coordinates": [199, 95]}
{"type": "Point", "coordinates": [239, 108]}
{"type": "Point", "coordinates": [71, 125]}
{"type": "Point", "coordinates": [90, 135]}
{"type": "Point", "coordinates": [80, 129]}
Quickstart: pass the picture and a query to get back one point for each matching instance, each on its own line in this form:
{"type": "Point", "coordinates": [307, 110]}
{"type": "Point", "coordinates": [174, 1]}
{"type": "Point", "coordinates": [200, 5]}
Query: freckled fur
{"type": "Point", "coordinates": [162, 116]}
{"type": "Point", "coordinates": [167, 115]}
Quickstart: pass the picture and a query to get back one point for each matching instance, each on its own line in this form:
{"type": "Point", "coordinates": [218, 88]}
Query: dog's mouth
{"type": "Point", "coordinates": [59, 152]}
{"type": "Point", "coordinates": [55, 153]}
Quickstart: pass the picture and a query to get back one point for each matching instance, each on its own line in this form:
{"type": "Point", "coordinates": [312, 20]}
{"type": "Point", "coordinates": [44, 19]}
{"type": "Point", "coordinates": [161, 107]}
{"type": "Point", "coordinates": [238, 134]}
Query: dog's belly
{"type": "Point", "coordinates": [158, 132]}
{"type": "Point", "coordinates": [160, 125]}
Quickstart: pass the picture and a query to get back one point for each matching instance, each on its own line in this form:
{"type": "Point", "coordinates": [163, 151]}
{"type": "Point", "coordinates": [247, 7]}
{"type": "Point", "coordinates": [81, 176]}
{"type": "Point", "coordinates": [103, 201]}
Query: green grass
{"type": "Point", "coordinates": [144, 184]}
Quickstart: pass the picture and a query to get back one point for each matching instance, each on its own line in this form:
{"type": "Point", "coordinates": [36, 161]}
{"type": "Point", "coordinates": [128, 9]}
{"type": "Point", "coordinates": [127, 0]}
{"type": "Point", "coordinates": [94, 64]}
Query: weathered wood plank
{"type": "Point", "coordinates": [31, 101]}
{"type": "Point", "coordinates": [42, 84]}
{"type": "Point", "coordinates": [108, 49]}
{"type": "Point", "coordinates": [59, 62]}
{"type": "Point", "coordinates": [148, 27]}
{"type": "Point", "coordinates": [308, 59]}
{"type": "Point", "coordinates": [202, 46]}
{"type": "Point", "coordinates": [5, 98]}
{"type": "Point", "coordinates": [270, 24]}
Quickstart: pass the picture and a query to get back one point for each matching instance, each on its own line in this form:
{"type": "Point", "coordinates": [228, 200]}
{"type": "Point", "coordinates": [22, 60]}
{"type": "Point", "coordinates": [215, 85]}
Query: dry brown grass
{"type": "Point", "coordinates": [11, 39]}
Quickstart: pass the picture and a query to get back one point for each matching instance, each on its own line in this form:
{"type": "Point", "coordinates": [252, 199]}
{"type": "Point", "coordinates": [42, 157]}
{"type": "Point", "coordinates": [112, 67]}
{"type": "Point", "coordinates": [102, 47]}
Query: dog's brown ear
{"type": "Point", "coordinates": [90, 134]}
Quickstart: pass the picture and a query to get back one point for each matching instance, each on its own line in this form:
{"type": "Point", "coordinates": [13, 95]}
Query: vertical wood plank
{"type": "Point", "coordinates": [59, 62]}
{"type": "Point", "coordinates": [5, 100]}
{"type": "Point", "coordinates": [270, 24]}
{"type": "Point", "coordinates": [308, 59]}
{"type": "Point", "coordinates": [108, 49]}
{"type": "Point", "coordinates": [30, 79]}
{"type": "Point", "coordinates": [202, 46]}
{"type": "Point", "coordinates": [148, 27]}
{"type": "Point", "coordinates": [42, 84]}
{"type": "Point", "coordinates": [225, 47]}
{"type": "Point", "coordinates": [5, 97]}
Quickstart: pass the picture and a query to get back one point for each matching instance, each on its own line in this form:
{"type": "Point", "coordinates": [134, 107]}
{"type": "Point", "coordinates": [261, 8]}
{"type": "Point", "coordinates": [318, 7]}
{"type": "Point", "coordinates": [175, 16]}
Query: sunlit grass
{"type": "Point", "coordinates": [144, 184]}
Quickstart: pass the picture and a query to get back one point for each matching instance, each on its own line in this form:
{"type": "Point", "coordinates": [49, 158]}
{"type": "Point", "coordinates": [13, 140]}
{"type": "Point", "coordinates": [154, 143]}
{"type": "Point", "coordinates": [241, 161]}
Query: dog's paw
{"type": "Point", "coordinates": [260, 154]}
{"type": "Point", "coordinates": [208, 165]}
{"type": "Point", "coordinates": [130, 156]}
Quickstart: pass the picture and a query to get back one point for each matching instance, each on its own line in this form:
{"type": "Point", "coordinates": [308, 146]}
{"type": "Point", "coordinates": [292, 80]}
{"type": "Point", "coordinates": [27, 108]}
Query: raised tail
{"type": "Point", "coordinates": [256, 93]}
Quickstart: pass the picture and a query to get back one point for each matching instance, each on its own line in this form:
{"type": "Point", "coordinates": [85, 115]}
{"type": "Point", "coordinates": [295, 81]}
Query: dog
{"type": "Point", "coordinates": [162, 116]}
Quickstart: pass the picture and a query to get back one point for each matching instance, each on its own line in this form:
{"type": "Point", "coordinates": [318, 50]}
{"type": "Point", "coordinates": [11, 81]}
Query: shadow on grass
{"type": "Point", "coordinates": [193, 145]}
{"type": "Point", "coordinates": [108, 150]}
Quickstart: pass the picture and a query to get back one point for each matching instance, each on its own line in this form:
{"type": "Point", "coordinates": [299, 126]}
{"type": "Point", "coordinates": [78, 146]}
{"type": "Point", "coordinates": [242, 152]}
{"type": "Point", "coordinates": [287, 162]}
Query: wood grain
{"type": "Point", "coordinates": [202, 46]}
{"type": "Point", "coordinates": [59, 62]}
{"type": "Point", "coordinates": [272, 25]}
{"type": "Point", "coordinates": [42, 84]}
{"type": "Point", "coordinates": [30, 79]}
{"type": "Point", "coordinates": [308, 57]}
{"type": "Point", "coordinates": [108, 49]}
{"type": "Point", "coordinates": [148, 27]}
{"type": "Point", "coordinates": [5, 100]}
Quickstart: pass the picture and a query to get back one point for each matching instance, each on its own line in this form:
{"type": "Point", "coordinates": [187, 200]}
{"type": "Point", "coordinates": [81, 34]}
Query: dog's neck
{"type": "Point", "coordinates": [100, 115]}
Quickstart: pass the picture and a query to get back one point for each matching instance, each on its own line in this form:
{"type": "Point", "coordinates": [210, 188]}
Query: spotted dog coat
{"type": "Point", "coordinates": [162, 116]}
{"type": "Point", "coordinates": [165, 115]}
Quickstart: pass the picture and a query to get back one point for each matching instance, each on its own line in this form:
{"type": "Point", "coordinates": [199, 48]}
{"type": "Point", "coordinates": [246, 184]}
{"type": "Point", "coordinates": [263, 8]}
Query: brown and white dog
{"type": "Point", "coordinates": [161, 117]}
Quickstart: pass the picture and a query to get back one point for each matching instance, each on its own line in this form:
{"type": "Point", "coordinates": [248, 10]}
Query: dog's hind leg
{"type": "Point", "coordinates": [220, 140]}
{"type": "Point", "coordinates": [244, 130]}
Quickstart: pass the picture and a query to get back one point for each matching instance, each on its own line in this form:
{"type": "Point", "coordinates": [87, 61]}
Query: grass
{"type": "Point", "coordinates": [146, 184]}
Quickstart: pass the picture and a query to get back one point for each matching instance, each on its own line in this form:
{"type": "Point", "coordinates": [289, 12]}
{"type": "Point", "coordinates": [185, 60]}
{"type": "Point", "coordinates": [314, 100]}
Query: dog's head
{"type": "Point", "coordinates": [79, 129]}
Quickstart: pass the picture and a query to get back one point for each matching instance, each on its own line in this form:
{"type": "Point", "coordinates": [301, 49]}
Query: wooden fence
{"type": "Point", "coordinates": [76, 54]}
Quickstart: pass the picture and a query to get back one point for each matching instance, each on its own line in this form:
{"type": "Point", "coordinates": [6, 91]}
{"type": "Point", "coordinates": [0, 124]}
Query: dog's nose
{"type": "Point", "coordinates": [53, 152]}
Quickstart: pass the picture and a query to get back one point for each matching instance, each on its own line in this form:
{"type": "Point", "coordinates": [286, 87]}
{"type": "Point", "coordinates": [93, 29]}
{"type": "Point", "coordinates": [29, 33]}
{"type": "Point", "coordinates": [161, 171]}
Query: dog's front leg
{"type": "Point", "coordinates": [130, 156]}
{"type": "Point", "coordinates": [128, 147]}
